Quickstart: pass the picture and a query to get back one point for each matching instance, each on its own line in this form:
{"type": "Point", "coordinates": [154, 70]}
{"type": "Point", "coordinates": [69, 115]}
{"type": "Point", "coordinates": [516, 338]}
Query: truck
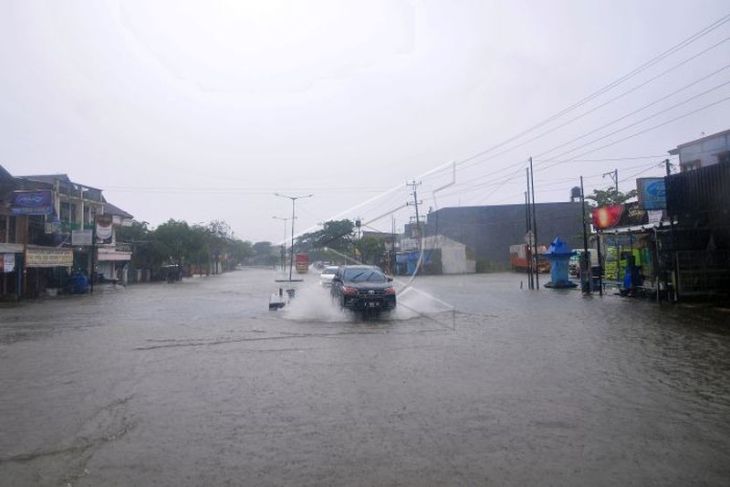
{"type": "Point", "coordinates": [519, 257]}
{"type": "Point", "coordinates": [301, 263]}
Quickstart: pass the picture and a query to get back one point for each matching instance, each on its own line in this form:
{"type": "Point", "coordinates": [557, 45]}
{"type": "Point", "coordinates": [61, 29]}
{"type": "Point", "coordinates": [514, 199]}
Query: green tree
{"type": "Point", "coordinates": [604, 197]}
{"type": "Point", "coordinates": [335, 234]}
{"type": "Point", "coordinates": [264, 254]}
{"type": "Point", "coordinates": [371, 250]}
{"type": "Point", "coordinates": [241, 250]}
{"type": "Point", "coordinates": [211, 246]}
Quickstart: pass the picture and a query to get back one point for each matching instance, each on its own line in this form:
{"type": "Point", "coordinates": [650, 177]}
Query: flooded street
{"type": "Point", "coordinates": [197, 383]}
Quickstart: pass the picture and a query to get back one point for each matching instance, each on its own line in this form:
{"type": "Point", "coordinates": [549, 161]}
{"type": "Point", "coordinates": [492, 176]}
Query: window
{"type": "Point", "coordinates": [65, 215]}
{"type": "Point", "coordinates": [723, 157]}
{"type": "Point", "coordinates": [691, 165]}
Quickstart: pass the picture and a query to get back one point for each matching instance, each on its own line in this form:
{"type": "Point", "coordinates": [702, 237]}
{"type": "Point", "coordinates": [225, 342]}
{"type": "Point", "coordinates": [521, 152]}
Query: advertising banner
{"type": "Point", "coordinates": [104, 229]}
{"type": "Point", "coordinates": [606, 216]}
{"type": "Point", "coordinates": [31, 202]}
{"type": "Point", "coordinates": [652, 193]}
{"type": "Point", "coordinates": [7, 262]}
{"type": "Point", "coordinates": [81, 237]}
{"type": "Point", "coordinates": [48, 257]}
{"type": "Point", "coordinates": [614, 216]}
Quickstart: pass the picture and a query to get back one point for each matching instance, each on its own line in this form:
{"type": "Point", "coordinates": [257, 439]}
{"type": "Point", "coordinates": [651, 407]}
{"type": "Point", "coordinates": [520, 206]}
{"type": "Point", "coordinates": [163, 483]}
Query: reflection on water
{"type": "Point", "coordinates": [510, 386]}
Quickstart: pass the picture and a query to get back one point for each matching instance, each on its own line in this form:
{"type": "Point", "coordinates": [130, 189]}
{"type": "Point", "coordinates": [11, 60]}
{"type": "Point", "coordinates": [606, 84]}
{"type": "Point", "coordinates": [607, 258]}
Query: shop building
{"type": "Point", "coordinates": [11, 249]}
{"type": "Point", "coordinates": [698, 201]}
{"type": "Point", "coordinates": [112, 257]}
{"type": "Point", "coordinates": [51, 228]}
{"type": "Point", "coordinates": [706, 151]}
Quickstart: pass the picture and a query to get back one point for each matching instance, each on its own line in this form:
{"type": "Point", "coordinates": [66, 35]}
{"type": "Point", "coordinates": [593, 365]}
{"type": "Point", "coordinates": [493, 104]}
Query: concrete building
{"type": "Point", "coordinates": [489, 231]}
{"type": "Point", "coordinates": [703, 152]}
{"type": "Point", "coordinates": [47, 228]}
{"type": "Point", "coordinates": [112, 257]}
{"type": "Point", "coordinates": [11, 248]}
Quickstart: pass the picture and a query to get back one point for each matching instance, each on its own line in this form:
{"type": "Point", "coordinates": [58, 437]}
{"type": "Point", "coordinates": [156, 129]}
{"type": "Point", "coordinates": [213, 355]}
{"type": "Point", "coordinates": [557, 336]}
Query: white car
{"type": "Point", "coordinates": [328, 273]}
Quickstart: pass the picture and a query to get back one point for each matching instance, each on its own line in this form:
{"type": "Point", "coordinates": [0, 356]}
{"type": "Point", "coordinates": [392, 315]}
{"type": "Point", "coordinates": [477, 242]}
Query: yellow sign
{"type": "Point", "coordinates": [48, 257]}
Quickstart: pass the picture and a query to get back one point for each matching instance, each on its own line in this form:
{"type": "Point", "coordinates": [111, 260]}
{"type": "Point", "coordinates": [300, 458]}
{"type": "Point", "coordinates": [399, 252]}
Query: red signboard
{"type": "Point", "coordinates": [626, 215]}
{"type": "Point", "coordinates": [607, 216]}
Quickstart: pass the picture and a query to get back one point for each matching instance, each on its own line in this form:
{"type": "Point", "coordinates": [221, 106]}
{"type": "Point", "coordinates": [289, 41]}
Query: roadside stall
{"type": "Point", "coordinates": [630, 241]}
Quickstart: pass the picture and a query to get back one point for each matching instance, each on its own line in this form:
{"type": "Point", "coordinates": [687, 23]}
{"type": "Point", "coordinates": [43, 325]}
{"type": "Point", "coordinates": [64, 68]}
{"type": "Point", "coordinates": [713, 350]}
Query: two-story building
{"type": "Point", "coordinates": [698, 202]}
{"type": "Point", "coordinates": [706, 151]}
{"type": "Point", "coordinates": [112, 257]}
{"type": "Point", "coordinates": [50, 227]}
{"type": "Point", "coordinates": [11, 249]}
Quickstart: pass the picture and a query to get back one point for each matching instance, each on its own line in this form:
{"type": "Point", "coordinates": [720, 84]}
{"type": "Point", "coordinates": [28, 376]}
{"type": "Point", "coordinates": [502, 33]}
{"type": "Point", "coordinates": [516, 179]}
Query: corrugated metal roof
{"type": "Point", "coordinates": [110, 209]}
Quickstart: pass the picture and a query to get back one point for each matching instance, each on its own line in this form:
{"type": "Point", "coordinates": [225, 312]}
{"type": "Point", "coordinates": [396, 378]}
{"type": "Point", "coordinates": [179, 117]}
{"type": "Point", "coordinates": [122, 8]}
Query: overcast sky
{"type": "Point", "coordinates": [201, 110]}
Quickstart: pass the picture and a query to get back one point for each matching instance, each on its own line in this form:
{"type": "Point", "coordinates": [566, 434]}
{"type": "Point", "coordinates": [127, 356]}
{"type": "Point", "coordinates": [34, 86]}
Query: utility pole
{"type": "Point", "coordinates": [414, 185]}
{"type": "Point", "coordinates": [93, 252]}
{"type": "Point", "coordinates": [675, 260]}
{"type": "Point", "coordinates": [283, 241]}
{"type": "Point", "coordinates": [614, 177]}
{"type": "Point", "coordinates": [528, 232]}
{"type": "Point", "coordinates": [585, 268]}
{"type": "Point", "coordinates": [293, 217]}
{"type": "Point", "coordinates": [534, 225]}
{"type": "Point", "coordinates": [393, 262]}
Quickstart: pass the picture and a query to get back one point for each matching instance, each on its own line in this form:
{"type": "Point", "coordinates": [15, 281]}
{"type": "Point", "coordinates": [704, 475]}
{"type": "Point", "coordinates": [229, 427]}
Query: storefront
{"type": "Point", "coordinates": [632, 247]}
{"type": "Point", "coordinates": [113, 264]}
{"type": "Point", "coordinates": [46, 268]}
{"type": "Point", "coordinates": [631, 240]}
{"type": "Point", "coordinates": [11, 265]}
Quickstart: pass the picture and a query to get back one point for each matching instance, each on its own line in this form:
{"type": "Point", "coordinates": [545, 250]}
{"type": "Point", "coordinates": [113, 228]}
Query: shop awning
{"type": "Point", "coordinates": [37, 256]}
{"type": "Point", "coordinates": [106, 255]}
{"type": "Point", "coordinates": [11, 248]}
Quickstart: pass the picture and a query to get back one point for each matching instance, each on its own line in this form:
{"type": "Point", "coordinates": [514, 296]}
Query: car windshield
{"type": "Point", "coordinates": [329, 270]}
{"type": "Point", "coordinates": [364, 275]}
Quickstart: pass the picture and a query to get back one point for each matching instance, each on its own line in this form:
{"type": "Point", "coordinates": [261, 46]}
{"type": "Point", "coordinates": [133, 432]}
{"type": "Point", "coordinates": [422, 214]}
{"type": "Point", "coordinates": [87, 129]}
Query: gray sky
{"type": "Point", "coordinates": [202, 110]}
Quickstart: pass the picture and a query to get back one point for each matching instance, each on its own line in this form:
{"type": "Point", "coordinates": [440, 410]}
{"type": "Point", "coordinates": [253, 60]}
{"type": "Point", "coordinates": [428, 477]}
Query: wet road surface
{"type": "Point", "coordinates": [196, 383]}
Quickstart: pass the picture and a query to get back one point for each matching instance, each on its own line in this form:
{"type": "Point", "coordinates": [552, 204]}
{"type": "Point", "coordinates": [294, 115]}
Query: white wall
{"type": "Point", "coordinates": [455, 261]}
{"type": "Point", "coordinates": [706, 150]}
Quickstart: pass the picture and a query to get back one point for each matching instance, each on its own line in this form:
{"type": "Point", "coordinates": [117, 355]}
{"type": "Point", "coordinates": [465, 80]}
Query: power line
{"type": "Point", "coordinates": [635, 134]}
{"type": "Point", "coordinates": [469, 188]}
{"type": "Point", "coordinates": [232, 190]}
{"type": "Point", "coordinates": [677, 47]}
{"type": "Point", "coordinates": [611, 100]}
{"type": "Point", "coordinates": [631, 74]}
{"type": "Point", "coordinates": [672, 107]}
{"type": "Point", "coordinates": [624, 117]}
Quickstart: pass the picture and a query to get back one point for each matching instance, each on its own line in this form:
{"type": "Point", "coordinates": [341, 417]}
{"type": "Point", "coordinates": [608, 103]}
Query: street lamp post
{"type": "Point", "coordinates": [283, 241]}
{"type": "Point", "coordinates": [293, 217]}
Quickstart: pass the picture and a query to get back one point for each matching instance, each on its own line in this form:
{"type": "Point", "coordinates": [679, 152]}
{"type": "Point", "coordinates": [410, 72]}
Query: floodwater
{"type": "Point", "coordinates": [197, 383]}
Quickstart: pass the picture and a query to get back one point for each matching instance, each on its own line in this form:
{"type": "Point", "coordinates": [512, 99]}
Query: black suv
{"type": "Point", "coordinates": [363, 288]}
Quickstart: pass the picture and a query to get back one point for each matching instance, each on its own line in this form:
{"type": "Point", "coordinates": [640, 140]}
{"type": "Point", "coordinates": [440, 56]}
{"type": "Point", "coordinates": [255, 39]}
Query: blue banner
{"type": "Point", "coordinates": [652, 193]}
{"type": "Point", "coordinates": [31, 202]}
